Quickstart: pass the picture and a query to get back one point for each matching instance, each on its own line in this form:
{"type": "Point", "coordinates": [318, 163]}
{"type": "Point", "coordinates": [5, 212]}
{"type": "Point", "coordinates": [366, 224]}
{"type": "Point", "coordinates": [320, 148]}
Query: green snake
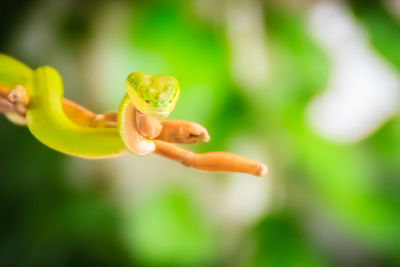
{"type": "Point", "coordinates": [46, 120]}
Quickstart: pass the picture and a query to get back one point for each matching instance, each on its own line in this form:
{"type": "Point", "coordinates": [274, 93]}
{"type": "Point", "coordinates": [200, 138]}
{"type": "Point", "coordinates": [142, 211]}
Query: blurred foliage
{"type": "Point", "coordinates": [383, 28]}
{"type": "Point", "coordinates": [279, 241]}
{"type": "Point", "coordinates": [167, 227]}
{"type": "Point", "coordinates": [350, 191]}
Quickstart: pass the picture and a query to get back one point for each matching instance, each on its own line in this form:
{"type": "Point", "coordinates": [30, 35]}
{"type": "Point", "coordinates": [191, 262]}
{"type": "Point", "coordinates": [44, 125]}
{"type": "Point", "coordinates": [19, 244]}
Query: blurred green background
{"type": "Point", "coordinates": [311, 88]}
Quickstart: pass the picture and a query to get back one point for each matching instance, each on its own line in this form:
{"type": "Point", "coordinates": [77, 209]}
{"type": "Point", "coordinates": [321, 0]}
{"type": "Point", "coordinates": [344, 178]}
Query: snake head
{"type": "Point", "coordinates": [153, 95]}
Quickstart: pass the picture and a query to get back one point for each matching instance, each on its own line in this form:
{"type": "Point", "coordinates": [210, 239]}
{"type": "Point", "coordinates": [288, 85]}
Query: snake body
{"type": "Point", "coordinates": [48, 123]}
{"type": "Point", "coordinates": [46, 120]}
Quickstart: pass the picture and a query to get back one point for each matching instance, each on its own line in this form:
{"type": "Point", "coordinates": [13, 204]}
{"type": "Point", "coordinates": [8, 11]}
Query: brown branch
{"type": "Point", "coordinates": [164, 133]}
{"type": "Point", "coordinates": [212, 161]}
{"type": "Point", "coordinates": [6, 106]}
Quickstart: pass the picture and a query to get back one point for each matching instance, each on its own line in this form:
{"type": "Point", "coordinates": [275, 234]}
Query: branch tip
{"type": "Point", "coordinates": [14, 96]}
{"type": "Point", "coordinates": [18, 96]}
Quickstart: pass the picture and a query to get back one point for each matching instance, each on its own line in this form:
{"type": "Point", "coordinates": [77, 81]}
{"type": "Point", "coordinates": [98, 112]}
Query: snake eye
{"type": "Point", "coordinates": [148, 101]}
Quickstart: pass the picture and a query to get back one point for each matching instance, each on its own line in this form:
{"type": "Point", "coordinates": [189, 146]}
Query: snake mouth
{"type": "Point", "coordinates": [161, 111]}
{"type": "Point", "coordinates": [158, 113]}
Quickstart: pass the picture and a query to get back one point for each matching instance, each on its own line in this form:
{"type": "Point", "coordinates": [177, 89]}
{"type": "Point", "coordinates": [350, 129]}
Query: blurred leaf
{"type": "Point", "coordinates": [382, 27]}
{"type": "Point", "coordinates": [279, 241]}
{"type": "Point", "coordinates": [169, 229]}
